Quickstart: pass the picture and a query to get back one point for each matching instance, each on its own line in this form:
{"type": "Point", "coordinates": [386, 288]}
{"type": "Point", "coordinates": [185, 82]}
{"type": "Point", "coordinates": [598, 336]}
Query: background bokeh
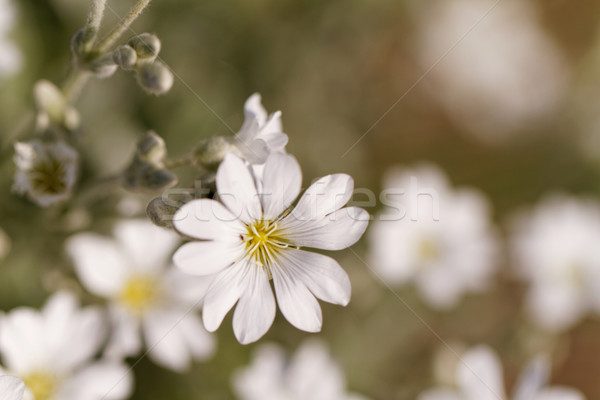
{"type": "Point", "coordinates": [334, 68]}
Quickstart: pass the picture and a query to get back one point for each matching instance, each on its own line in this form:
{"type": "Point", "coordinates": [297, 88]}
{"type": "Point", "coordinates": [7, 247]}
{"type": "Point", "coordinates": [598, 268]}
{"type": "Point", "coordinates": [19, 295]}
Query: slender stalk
{"type": "Point", "coordinates": [74, 84]}
{"type": "Point", "coordinates": [179, 162]}
{"type": "Point", "coordinates": [125, 23]}
{"type": "Point", "coordinates": [95, 17]}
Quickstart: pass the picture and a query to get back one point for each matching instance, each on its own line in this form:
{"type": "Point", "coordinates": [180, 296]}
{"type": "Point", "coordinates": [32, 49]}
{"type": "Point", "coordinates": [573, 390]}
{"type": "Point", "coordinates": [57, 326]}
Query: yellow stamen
{"type": "Point", "coordinates": [263, 241]}
{"type": "Point", "coordinates": [139, 293]}
{"type": "Point", "coordinates": [42, 385]}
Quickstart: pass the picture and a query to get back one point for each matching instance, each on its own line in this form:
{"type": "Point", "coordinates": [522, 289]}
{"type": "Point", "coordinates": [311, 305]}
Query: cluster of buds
{"type": "Point", "coordinates": [140, 55]}
{"type": "Point", "coordinates": [147, 171]}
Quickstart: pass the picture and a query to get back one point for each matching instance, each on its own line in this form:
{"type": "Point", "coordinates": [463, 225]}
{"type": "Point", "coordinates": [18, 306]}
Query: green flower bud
{"type": "Point", "coordinates": [210, 152]}
{"type": "Point", "coordinates": [152, 149]}
{"type": "Point", "coordinates": [161, 210]}
{"type": "Point", "coordinates": [81, 41]}
{"type": "Point", "coordinates": [147, 46]}
{"type": "Point", "coordinates": [145, 176]}
{"type": "Point", "coordinates": [50, 101]}
{"type": "Point", "coordinates": [155, 78]}
{"type": "Point", "coordinates": [125, 57]}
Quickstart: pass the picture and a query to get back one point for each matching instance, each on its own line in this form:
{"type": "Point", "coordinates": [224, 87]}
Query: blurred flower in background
{"type": "Point", "coordinates": [479, 377]}
{"type": "Point", "coordinates": [555, 249]}
{"type": "Point", "coordinates": [310, 374]}
{"type": "Point", "coordinates": [494, 68]}
{"type": "Point", "coordinates": [53, 351]}
{"type": "Point", "coordinates": [147, 297]}
{"type": "Point", "coordinates": [10, 55]}
{"type": "Point", "coordinates": [438, 238]}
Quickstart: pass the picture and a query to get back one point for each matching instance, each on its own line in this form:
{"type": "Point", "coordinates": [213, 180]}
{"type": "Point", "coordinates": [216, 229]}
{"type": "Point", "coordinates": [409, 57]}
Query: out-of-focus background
{"type": "Point", "coordinates": [502, 95]}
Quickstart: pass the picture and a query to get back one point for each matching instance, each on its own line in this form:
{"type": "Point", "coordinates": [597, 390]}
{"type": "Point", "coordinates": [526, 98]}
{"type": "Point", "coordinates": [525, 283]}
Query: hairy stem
{"type": "Point", "coordinates": [179, 162]}
{"type": "Point", "coordinates": [125, 23]}
{"type": "Point", "coordinates": [95, 17]}
{"type": "Point", "coordinates": [74, 83]}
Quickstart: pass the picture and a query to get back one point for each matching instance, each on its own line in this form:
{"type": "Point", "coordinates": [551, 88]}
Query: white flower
{"type": "Point", "coordinates": [310, 375]}
{"type": "Point", "coordinates": [555, 249]}
{"type": "Point", "coordinates": [479, 377]}
{"type": "Point", "coordinates": [438, 238]}
{"type": "Point", "coordinates": [10, 55]}
{"type": "Point", "coordinates": [503, 76]}
{"type": "Point", "coordinates": [46, 172]}
{"type": "Point", "coordinates": [261, 134]}
{"type": "Point", "coordinates": [11, 388]}
{"type": "Point", "coordinates": [131, 272]}
{"type": "Point", "coordinates": [52, 352]}
{"type": "Point", "coordinates": [249, 238]}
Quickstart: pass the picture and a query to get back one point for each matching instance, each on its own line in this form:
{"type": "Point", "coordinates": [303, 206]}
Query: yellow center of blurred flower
{"type": "Point", "coordinates": [43, 386]}
{"type": "Point", "coordinates": [428, 250]}
{"type": "Point", "coordinates": [263, 241]}
{"type": "Point", "coordinates": [139, 293]}
{"type": "Point", "coordinates": [48, 177]}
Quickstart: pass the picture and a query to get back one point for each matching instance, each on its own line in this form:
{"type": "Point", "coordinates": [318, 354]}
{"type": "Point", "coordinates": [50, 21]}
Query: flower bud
{"type": "Point", "coordinates": [210, 152]}
{"type": "Point", "coordinates": [125, 57]}
{"type": "Point", "coordinates": [145, 176]}
{"type": "Point", "coordinates": [161, 210]}
{"type": "Point", "coordinates": [104, 67]}
{"type": "Point", "coordinates": [155, 78]}
{"type": "Point", "coordinates": [151, 148]}
{"type": "Point", "coordinates": [81, 41]}
{"type": "Point", "coordinates": [147, 46]}
{"type": "Point", "coordinates": [50, 101]}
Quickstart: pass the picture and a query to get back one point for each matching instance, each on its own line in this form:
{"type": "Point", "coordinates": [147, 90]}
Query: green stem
{"type": "Point", "coordinates": [95, 18]}
{"type": "Point", "coordinates": [179, 162]}
{"type": "Point", "coordinates": [74, 84]}
{"type": "Point", "coordinates": [125, 23]}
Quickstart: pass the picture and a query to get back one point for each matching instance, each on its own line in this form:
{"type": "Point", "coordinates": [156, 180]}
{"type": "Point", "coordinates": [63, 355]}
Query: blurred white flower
{"type": "Point", "coordinates": [248, 238]}
{"type": "Point", "coordinates": [479, 377]}
{"type": "Point", "coordinates": [310, 375]}
{"type": "Point", "coordinates": [11, 388]}
{"type": "Point", "coordinates": [132, 271]}
{"type": "Point", "coordinates": [52, 352]}
{"type": "Point", "coordinates": [504, 75]}
{"type": "Point", "coordinates": [438, 238]}
{"type": "Point", "coordinates": [10, 55]}
{"type": "Point", "coordinates": [46, 171]}
{"type": "Point", "coordinates": [555, 248]}
{"type": "Point", "coordinates": [261, 134]}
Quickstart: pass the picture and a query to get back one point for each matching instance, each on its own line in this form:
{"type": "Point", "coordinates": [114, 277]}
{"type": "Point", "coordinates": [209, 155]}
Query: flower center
{"type": "Point", "coordinates": [139, 293]}
{"type": "Point", "coordinates": [263, 241]}
{"type": "Point", "coordinates": [428, 250]}
{"type": "Point", "coordinates": [43, 386]}
{"type": "Point", "coordinates": [49, 177]}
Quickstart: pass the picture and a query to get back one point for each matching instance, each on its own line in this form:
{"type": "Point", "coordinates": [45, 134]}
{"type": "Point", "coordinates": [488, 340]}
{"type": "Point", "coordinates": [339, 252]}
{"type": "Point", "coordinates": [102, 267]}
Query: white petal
{"type": "Point", "coordinates": [11, 388]}
{"type": "Point", "coordinates": [125, 340]}
{"type": "Point", "coordinates": [186, 289]}
{"type": "Point", "coordinates": [480, 375]}
{"type": "Point", "coordinates": [533, 379]}
{"type": "Point", "coordinates": [254, 110]}
{"type": "Point", "coordinates": [207, 220]}
{"type": "Point", "coordinates": [558, 393]}
{"type": "Point", "coordinates": [255, 311]}
{"type": "Point", "coordinates": [296, 302]}
{"type": "Point", "coordinates": [206, 258]}
{"type": "Point", "coordinates": [237, 190]}
{"type": "Point", "coordinates": [100, 264]}
{"type": "Point", "coordinates": [322, 275]}
{"type": "Point", "coordinates": [325, 196]}
{"type": "Point", "coordinates": [21, 340]}
{"type": "Point", "coordinates": [440, 394]}
{"type": "Point", "coordinates": [282, 179]}
{"type": "Point", "coordinates": [201, 344]}
{"type": "Point", "coordinates": [223, 293]}
{"type": "Point", "coordinates": [336, 231]}
{"type": "Point", "coordinates": [162, 333]}
{"type": "Point", "coordinates": [104, 380]}
{"type": "Point", "coordinates": [147, 245]}
{"type": "Point", "coordinates": [264, 379]}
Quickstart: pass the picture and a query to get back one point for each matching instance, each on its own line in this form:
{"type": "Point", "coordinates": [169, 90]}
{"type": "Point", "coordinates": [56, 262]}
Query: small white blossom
{"type": "Point", "coordinates": [249, 238]}
{"type": "Point", "coordinates": [11, 388]}
{"type": "Point", "coordinates": [261, 134]}
{"type": "Point", "coordinates": [132, 271]}
{"type": "Point", "coordinates": [310, 374]}
{"type": "Point", "coordinates": [433, 236]}
{"type": "Point", "coordinates": [495, 70]}
{"type": "Point", "coordinates": [52, 352]}
{"type": "Point", "coordinates": [46, 171]}
{"type": "Point", "coordinates": [555, 249]}
{"type": "Point", "coordinates": [479, 377]}
{"type": "Point", "coordinates": [10, 55]}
